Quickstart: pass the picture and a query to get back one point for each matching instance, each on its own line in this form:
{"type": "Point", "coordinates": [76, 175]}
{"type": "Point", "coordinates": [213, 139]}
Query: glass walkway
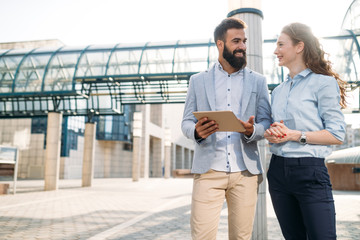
{"type": "Point", "coordinates": [100, 80]}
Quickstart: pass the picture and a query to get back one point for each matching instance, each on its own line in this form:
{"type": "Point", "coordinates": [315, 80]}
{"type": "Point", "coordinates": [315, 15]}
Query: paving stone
{"type": "Point", "coordinates": [151, 209]}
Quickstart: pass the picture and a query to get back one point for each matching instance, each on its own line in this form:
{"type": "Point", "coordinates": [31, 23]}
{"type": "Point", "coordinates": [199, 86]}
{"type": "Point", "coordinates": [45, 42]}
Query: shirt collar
{"type": "Point", "coordinates": [300, 75]}
{"type": "Point", "coordinates": [220, 68]}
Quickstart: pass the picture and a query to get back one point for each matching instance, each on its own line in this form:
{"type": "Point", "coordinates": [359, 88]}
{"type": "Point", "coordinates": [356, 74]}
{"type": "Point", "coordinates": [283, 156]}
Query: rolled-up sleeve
{"type": "Point", "coordinates": [330, 109]}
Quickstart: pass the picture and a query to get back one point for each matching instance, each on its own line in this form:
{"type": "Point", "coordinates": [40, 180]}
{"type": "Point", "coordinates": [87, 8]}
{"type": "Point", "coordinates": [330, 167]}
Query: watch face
{"type": "Point", "coordinates": [302, 139]}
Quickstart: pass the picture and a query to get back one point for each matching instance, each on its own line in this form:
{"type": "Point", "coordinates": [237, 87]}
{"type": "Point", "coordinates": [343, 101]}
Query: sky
{"type": "Point", "coordinates": [90, 22]}
{"type": "Point", "coordinates": [85, 22]}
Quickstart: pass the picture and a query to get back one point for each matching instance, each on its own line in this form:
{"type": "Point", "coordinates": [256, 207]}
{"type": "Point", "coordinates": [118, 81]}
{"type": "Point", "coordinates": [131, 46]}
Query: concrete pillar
{"type": "Point", "coordinates": [186, 158]}
{"type": "Point", "coordinates": [156, 158]}
{"type": "Point", "coordinates": [173, 157]}
{"type": "Point", "coordinates": [137, 133]}
{"type": "Point", "coordinates": [167, 161]}
{"type": "Point", "coordinates": [250, 12]}
{"type": "Point", "coordinates": [89, 153]}
{"type": "Point", "coordinates": [179, 157]}
{"type": "Point", "coordinates": [145, 142]}
{"type": "Point", "coordinates": [52, 152]}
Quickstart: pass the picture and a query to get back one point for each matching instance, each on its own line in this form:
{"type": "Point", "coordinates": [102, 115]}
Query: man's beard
{"type": "Point", "coordinates": [235, 62]}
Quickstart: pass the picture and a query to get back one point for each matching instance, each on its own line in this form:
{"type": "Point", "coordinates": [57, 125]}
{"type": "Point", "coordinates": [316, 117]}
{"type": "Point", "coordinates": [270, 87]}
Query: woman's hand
{"type": "Point", "coordinates": [279, 133]}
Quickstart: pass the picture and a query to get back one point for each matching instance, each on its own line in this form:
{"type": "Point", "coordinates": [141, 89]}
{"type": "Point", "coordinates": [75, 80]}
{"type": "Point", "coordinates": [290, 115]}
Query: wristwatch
{"type": "Point", "coordinates": [302, 139]}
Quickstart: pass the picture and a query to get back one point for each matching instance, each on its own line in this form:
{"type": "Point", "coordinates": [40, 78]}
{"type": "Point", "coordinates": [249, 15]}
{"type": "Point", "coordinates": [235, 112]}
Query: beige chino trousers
{"type": "Point", "coordinates": [209, 191]}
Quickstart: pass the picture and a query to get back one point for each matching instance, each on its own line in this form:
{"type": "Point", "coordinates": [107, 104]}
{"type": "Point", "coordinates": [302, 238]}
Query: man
{"type": "Point", "coordinates": [226, 164]}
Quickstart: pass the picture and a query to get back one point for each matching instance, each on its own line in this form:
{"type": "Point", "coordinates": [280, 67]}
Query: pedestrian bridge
{"type": "Point", "coordinates": [100, 80]}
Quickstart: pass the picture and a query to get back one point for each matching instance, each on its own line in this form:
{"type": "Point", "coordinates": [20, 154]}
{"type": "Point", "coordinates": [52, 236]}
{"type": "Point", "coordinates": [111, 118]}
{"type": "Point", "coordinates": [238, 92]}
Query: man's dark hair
{"type": "Point", "coordinates": [226, 24]}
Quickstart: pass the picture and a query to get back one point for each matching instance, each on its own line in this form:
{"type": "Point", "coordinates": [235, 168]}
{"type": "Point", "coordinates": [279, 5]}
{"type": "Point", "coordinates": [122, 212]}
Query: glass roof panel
{"type": "Point", "coordinates": [351, 61]}
{"type": "Point", "coordinates": [124, 62]}
{"type": "Point", "coordinates": [132, 45]}
{"type": "Point", "coordinates": [19, 51]}
{"type": "Point", "coordinates": [352, 16]}
{"type": "Point", "coordinates": [45, 50]}
{"type": "Point", "coordinates": [93, 63]}
{"type": "Point", "coordinates": [31, 72]}
{"type": "Point", "coordinates": [195, 42]}
{"type": "Point", "coordinates": [191, 59]}
{"type": "Point", "coordinates": [72, 48]}
{"type": "Point", "coordinates": [60, 72]}
{"type": "Point", "coordinates": [161, 44]}
{"type": "Point", "coordinates": [8, 66]}
{"type": "Point", "coordinates": [2, 51]}
{"type": "Point", "coordinates": [157, 61]}
{"type": "Point", "coordinates": [101, 47]}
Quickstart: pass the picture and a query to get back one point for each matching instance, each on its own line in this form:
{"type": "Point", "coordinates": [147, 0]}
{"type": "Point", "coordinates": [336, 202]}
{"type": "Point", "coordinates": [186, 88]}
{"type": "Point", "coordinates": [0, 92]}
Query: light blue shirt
{"type": "Point", "coordinates": [308, 102]}
{"type": "Point", "coordinates": [228, 95]}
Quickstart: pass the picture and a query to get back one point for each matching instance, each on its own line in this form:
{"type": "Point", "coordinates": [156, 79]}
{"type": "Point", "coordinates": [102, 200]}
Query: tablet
{"type": "Point", "coordinates": [226, 120]}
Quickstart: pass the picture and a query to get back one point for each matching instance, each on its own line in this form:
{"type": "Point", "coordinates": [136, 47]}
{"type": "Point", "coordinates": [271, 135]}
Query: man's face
{"type": "Point", "coordinates": [235, 48]}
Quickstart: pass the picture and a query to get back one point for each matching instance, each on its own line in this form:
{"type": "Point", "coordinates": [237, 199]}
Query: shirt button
{"type": "Point", "coordinates": [228, 75]}
{"type": "Point", "coordinates": [228, 136]}
{"type": "Point", "coordinates": [228, 104]}
{"type": "Point", "coordinates": [229, 90]}
{"type": "Point", "coordinates": [228, 153]}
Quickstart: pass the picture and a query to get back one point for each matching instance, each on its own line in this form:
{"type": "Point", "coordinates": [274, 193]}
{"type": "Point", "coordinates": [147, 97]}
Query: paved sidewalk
{"type": "Point", "coordinates": [121, 209]}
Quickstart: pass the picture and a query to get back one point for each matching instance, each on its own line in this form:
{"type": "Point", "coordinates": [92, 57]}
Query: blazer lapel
{"type": "Point", "coordinates": [247, 90]}
{"type": "Point", "coordinates": [209, 85]}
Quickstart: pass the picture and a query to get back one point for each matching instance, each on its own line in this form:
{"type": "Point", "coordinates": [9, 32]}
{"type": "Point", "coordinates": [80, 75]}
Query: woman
{"type": "Point", "coordinates": [306, 111]}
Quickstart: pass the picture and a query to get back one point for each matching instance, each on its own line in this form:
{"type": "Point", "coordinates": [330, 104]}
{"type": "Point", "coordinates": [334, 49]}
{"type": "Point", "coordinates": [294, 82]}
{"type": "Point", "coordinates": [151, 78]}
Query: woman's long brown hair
{"type": "Point", "coordinates": [314, 55]}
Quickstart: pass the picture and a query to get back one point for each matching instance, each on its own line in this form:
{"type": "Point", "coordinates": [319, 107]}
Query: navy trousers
{"type": "Point", "coordinates": [301, 194]}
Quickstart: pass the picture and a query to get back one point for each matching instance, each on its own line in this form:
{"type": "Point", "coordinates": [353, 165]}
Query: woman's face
{"type": "Point", "coordinates": [285, 51]}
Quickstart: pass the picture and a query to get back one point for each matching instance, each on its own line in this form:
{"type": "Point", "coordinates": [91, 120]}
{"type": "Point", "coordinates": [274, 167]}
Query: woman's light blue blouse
{"type": "Point", "coordinates": [308, 102]}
